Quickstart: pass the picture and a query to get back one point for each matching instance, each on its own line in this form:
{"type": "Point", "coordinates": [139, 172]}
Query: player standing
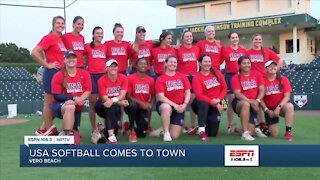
{"type": "Point", "coordinates": [49, 53]}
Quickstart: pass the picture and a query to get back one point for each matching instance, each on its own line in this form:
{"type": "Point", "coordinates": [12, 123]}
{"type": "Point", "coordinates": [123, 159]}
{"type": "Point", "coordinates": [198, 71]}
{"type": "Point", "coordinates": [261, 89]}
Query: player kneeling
{"type": "Point", "coordinates": [209, 87]}
{"type": "Point", "coordinates": [276, 100]}
{"type": "Point", "coordinates": [141, 97]}
{"type": "Point", "coordinates": [112, 89]}
{"type": "Point", "coordinates": [173, 95]}
{"type": "Point", "coordinates": [70, 88]}
{"type": "Point", "coordinates": [248, 87]}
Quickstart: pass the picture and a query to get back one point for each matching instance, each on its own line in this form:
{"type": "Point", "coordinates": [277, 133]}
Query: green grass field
{"type": "Point", "coordinates": [306, 131]}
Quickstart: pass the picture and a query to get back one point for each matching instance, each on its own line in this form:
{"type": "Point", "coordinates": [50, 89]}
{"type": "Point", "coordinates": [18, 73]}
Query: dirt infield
{"type": "Point", "coordinates": [4, 122]}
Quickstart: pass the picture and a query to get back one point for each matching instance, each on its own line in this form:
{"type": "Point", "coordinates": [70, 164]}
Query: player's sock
{"type": "Point", "coordinates": [288, 128]}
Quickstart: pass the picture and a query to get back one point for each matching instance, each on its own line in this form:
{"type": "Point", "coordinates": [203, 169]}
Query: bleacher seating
{"type": "Point", "coordinates": [17, 84]}
{"type": "Point", "coordinates": [305, 78]}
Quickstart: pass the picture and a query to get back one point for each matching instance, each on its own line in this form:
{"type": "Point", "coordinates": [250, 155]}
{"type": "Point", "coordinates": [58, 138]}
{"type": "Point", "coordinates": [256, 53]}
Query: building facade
{"type": "Point", "coordinates": [285, 25]}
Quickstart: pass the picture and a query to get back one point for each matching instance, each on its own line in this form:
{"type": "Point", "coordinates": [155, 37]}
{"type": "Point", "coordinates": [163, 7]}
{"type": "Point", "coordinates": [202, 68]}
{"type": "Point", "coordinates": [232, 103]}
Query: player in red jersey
{"type": "Point", "coordinates": [260, 55]}
{"type": "Point", "coordinates": [141, 99]}
{"type": "Point", "coordinates": [276, 100]}
{"type": "Point", "coordinates": [209, 88]}
{"type": "Point", "coordinates": [95, 53]}
{"type": "Point", "coordinates": [230, 54]}
{"type": "Point", "coordinates": [112, 89]}
{"type": "Point", "coordinates": [248, 88]}
{"type": "Point", "coordinates": [141, 48]}
{"type": "Point", "coordinates": [118, 49]}
{"type": "Point", "coordinates": [75, 41]}
{"type": "Point", "coordinates": [211, 46]}
{"type": "Point", "coordinates": [173, 95]}
{"type": "Point", "coordinates": [187, 64]}
{"type": "Point", "coordinates": [49, 53]}
{"type": "Point", "coordinates": [70, 88]}
{"type": "Point", "coordinates": [161, 52]}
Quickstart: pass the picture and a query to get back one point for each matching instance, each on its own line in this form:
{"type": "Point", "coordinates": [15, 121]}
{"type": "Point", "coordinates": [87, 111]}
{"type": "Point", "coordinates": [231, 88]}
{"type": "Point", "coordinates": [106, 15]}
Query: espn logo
{"type": "Point", "coordinates": [241, 155]}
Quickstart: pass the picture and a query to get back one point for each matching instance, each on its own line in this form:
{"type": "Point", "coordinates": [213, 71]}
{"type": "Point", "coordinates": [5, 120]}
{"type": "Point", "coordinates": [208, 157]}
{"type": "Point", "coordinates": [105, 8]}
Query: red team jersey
{"type": "Point", "coordinates": [120, 52]}
{"type": "Point", "coordinates": [213, 50]}
{"type": "Point", "coordinates": [96, 58]}
{"type": "Point", "coordinates": [144, 51]}
{"type": "Point", "coordinates": [53, 48]}
{"type": "Point", "coordinates": [207, 87]}
{"type": "Point", "coordinates": [187, 60]}
{"type": "Point", "coordinates": [75, 43]}
{"type": "Point", "coordinates": [273, 95]}
{"type": "Point", "coordinates": [106, 87]}
{"type": "Point", "coordinates": [248, 85]}
{"type": "Point", "coordinates": [140, 89]}
{"type": "Point", "coordinates": [231, 56]}
{"type": "Point", "coordinates": [159, 56]}
{"type": "Point", "coordinates": [258, 60]}
{"type": "Point", "coordinates": [173, 87]}
{"type": "Point", "coordinates": [76, 85]}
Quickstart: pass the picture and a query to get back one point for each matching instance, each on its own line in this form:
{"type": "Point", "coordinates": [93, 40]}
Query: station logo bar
{"type": "Point", "coordinates": [241, 155]}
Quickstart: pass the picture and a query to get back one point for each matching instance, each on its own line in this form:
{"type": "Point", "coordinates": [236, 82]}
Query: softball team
{"type": "Point", "coordinates": [75, 71]}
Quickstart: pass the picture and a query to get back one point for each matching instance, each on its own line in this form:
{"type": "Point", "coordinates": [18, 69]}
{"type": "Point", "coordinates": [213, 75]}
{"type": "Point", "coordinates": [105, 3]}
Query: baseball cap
{"type": "Point", "coordinates": [69, 53]}
{"type": "Point", "coordinates": [140, 28]}
{"type": "Point", "coordinates": [111, 61]}
{"type": "Point", "coordinates": [268, 63]}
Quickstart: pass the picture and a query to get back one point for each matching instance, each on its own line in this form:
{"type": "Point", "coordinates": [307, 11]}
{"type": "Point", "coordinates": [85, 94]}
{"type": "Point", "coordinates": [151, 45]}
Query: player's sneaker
{"type": "Point", "coordinates": [185, 129]}
{"type": "Point", "coordinates": [288, 135]}
{"type": "Point", "coordinates": [95, 136]}
{"type": "Point", "coordinates": [40, 132]}
{"type": "Point", "coordinates": [232, 128]}
{"type": "Point", "coordinates": [246, 136]}
{"type": "Point", "coordinates": [193, 130]}
{"type": "Point", "coordinates": [132, 136]}
{"type": "Point", "coordinates": [112, 140]}
{"type": "Point", "coordinates": [203, 136]}
{"type": "Point", "coordinates": [167, 137]}
{"type": "Point", "coordinates": [75, 135]}
{"type": "Point", "coordinates": [156, 133]}
{"type": "Point", "coordinates": [259, 133]}
{"type": "Point", "coordinates": [149, 129]}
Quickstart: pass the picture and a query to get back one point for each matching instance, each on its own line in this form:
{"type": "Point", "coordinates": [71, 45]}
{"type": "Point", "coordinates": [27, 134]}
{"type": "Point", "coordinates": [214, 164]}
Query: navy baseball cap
{"type": "Point", "coordinates": [69, 53]}
{"type": "Point", "coordinates": [140, 28]}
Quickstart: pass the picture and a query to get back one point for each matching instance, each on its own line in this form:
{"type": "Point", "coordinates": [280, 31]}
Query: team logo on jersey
{"type": "Point", "coordinates": [143, 53]}
{"type": "Point", "coordinates": [77, 45]}
{"type": "Point", "coordinates": [250, 84]}
{"type": "Point", "coordinates": [74, 87]}
{"type": "Point", "coordinates": [235, 56]}
{"type": "Point", "coordinates": [162, 57]}
{"type": "Point", "coordinates": [213, 49]}
{"type": "Point", "coordinates": [188, 57]}
{"type": "Point", "coordinates": [142, 89]}
{"type": "Point", "coordinates": [120, 51]}
{"type": "Point", "coordinates": [257, 58]}
{"type": "Point", "coordinates": [272, 89]}
{"type": "Point", "coordinates": [174, 85]}
{"type": "Point", "coordinates": [62, 47]}
{"type": "Point", "coordinates": [300, 100]}
{"type": "Point", "coordinates": [113, 91]}
{"type": "Point", "coordinates": [211, 83]}
{"type": "Point", "coordinates": [98, 54]}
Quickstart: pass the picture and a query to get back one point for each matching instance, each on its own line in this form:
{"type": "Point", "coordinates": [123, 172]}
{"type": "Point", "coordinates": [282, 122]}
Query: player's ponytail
{"type": "Point", "coordinates": [278, 77]}
{"type": "Point", "coordinates": [64, 81]}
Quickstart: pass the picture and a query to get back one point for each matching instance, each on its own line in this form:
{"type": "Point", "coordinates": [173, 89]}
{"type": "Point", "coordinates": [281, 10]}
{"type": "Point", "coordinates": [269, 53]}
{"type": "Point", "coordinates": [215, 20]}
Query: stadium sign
{"type": "Point", "coordinates": [300, 100]}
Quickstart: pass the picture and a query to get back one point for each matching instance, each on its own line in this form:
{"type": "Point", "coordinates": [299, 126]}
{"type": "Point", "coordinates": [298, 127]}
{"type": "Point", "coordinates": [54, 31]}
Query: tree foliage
{"type": "Point", "coordinates": [11, 53]}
